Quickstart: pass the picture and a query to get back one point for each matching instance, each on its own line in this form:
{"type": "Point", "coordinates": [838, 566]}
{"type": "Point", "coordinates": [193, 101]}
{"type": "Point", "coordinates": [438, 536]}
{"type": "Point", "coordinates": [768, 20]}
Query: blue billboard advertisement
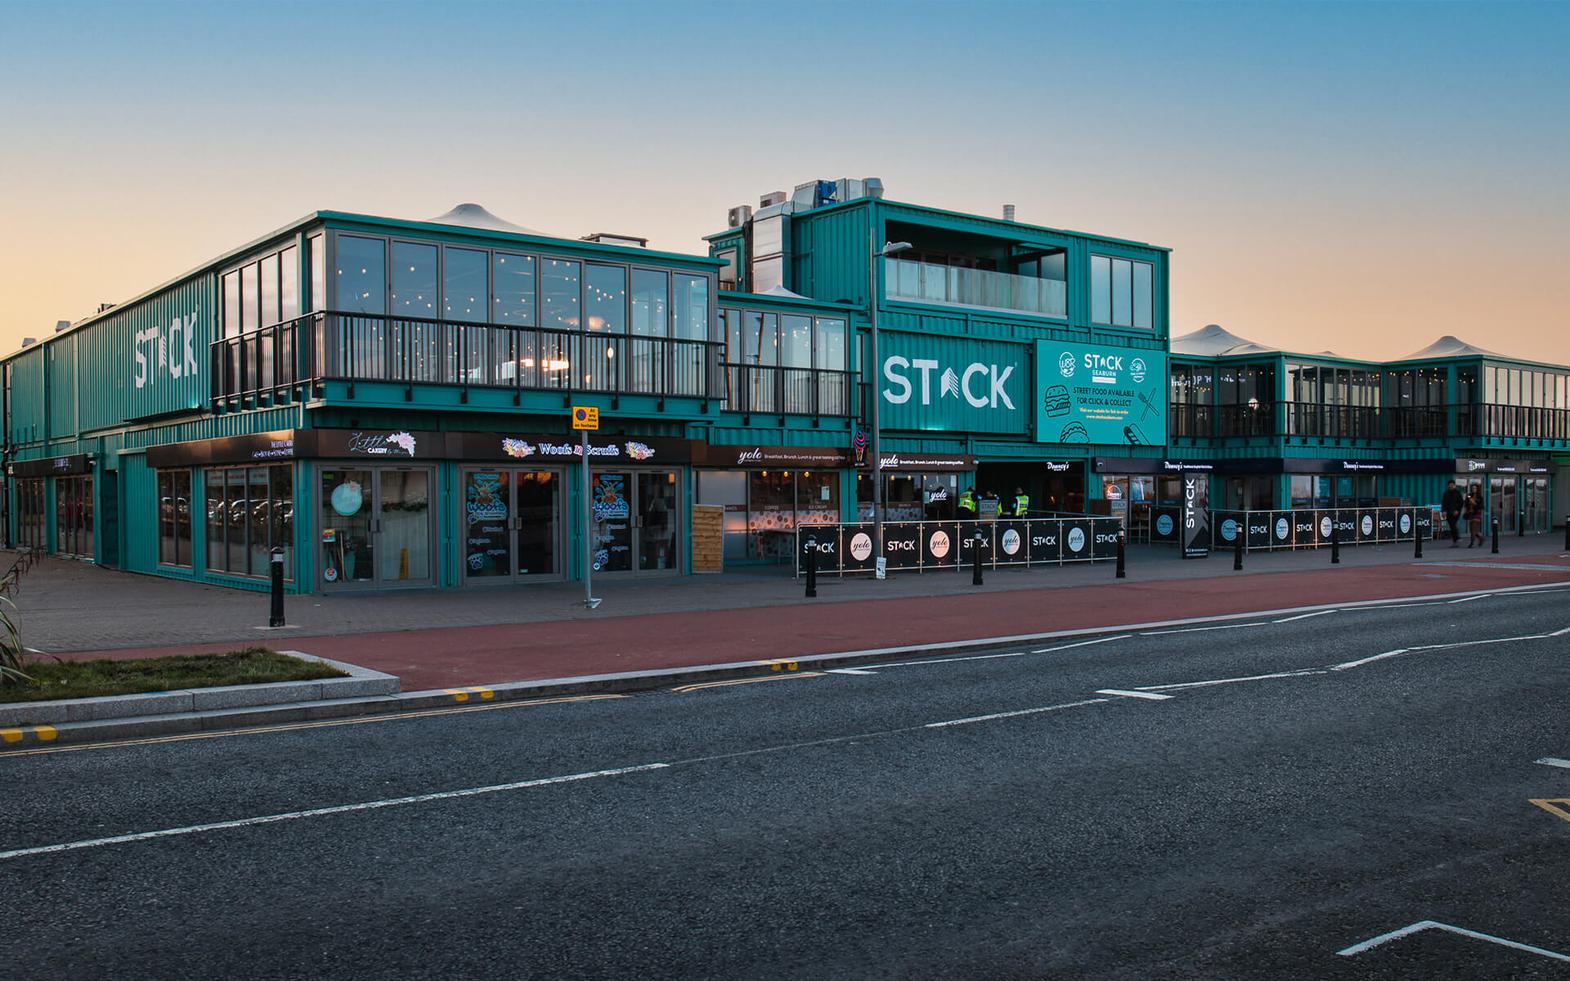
{"type": "Point", "coordinates": [1102, 394]}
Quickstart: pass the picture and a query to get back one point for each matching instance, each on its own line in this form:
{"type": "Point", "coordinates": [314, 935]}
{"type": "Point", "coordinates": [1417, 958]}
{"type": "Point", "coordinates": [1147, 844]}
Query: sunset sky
{"type": "Point", "coordinates": [1356, 177]}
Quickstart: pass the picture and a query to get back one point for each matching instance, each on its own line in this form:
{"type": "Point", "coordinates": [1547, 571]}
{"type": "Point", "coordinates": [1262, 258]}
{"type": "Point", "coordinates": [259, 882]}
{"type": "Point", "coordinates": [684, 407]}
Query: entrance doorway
{"type": "Point", "coordinates": [637, 521]}
{"type": "Point", "coordinates": [376, 526]}
{"type": "Point", "coordinates": [1502, 501]}
{"type": "Point", "coordinates": [1538, 511]}
{"type": "Point", "coordinates": [512, 525]}
{"type": "Point", "coordinates": [74, 516]}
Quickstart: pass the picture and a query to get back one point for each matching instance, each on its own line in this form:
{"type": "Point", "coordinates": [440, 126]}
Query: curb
{"type": "Point", "coordinates": [267, 716]}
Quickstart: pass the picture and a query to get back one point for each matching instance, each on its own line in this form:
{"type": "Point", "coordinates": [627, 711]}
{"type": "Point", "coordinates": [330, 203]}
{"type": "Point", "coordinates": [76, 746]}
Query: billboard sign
{"type": "Point", "coordinates": [1100, 394]}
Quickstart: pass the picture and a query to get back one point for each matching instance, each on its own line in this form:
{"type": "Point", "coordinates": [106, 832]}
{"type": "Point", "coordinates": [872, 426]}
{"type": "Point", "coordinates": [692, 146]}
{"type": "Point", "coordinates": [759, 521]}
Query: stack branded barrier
{"type": "Point", "coordinates": [1314, 527]}
{"type": "Point", "coordinates": [922, 546]}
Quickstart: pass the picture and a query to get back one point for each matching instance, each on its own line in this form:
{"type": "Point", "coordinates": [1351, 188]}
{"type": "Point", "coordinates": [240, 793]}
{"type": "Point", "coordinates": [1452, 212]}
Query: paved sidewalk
{"type": "Point", "coordinates": [456, 638]}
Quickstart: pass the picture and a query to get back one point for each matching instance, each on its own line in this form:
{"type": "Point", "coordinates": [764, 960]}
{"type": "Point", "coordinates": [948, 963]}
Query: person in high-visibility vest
{"type": "Point", "coordinates": [1021, 502]}
{"type": "Point", "coordinates": [967, 503]}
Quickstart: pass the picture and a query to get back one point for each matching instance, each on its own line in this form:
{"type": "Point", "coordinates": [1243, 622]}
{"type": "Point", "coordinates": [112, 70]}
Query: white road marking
{"type": "Point", "coordinates": [1195, 630]}
{"type": "Point", "coordinates": [1468, 599]}
{"type": "Point", "coordinates": [1132, 694]}
{"type": "Point", "coordinates": [1347, 665]}
{"type": "Point", "coordinates": [1421, 925]}
{"type": "Point", "coordinates": [1083, 643]}
{"type": "Point", "coordinates": [1234, 681]}
{"type": "Point", "coordinates": [1553, 761]}
{"type": "Point", "coordinates": [1010, 715]}
{"type": "Point", "coordinates": [324, 811]}
{"type": "Point", "coordinates": [993, 657]}
{"type": "Point", "coordinates": [1305, 616]}
{"type": "Point", "coordinates": [848, 671]}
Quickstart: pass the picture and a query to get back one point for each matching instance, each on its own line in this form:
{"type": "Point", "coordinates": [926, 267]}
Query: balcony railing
{"type": "Point", "coordinates": [925, 282]}
{"type": "Point", "coordinates": [775, 390]}
{"type": "Point", "coordinates": [1354, 422]}
{"type": "Point", "coordinates": [372, 348]}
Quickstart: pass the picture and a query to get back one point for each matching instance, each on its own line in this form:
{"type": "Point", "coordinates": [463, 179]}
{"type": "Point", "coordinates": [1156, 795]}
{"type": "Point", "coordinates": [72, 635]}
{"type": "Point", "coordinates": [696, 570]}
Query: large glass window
{"type": "Point", "coordinates": [795, 341]}
{"type": "Point", "coordinates": [514, 276]}
{"type": "Point", "coordinates": [559, 300]}
{"type": "Point", "coordinates": [361, 275]}
{"type": "Point", "coordinates": [289, 283]}
{"type": "Point", "coordinates": [174, 517]}
{"type": "Point", "coordinates": [1122, 292]}
{"type": "Point", "coordinates": [250, 308]}
{"type": "Point", "coordinates": [317, 244]}
{"type": "Point", "coordinates": [465, 292]}
{"type": "Point", "coordinates": [413, 280]}
{"type": "Point", "coordinates": [650, 303]}
{"type": "Point", "coordinates": [249, 511]}
{"type": "Point", "coordinates": [231, 324]}
{"type": "Point", "coordinates": [605, 298]}
{"type": "Point", "coordinates": [692, 307]}
{"type": "Point", "coordinates": [270, 309]}
{"type": "Point", "coordinates": [829, 349]}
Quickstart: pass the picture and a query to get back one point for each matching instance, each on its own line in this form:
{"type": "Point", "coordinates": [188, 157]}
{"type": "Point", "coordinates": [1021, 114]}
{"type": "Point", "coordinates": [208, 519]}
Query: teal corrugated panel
{"type": "Point", "coordinates": [150, 358]}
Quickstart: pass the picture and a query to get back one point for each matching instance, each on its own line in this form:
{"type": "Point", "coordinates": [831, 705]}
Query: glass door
{"type": "Point", "coordinates": [611, 502]}
{"type": "Point", "coordinates": [376, 527]}
{"type": "Point", "coordinates": [1502, 504]}
{"type": "Point", "coordinates": [658, 529]}
{"type": "Point", "coordinates": [512, 524]}
{"type": "Point", "coordinates": [1538, 519]}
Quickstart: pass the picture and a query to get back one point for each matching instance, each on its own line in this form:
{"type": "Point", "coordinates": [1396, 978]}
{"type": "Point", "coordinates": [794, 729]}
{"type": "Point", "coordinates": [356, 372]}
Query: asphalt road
{"type": "Point", "coordinates": [971, 816]}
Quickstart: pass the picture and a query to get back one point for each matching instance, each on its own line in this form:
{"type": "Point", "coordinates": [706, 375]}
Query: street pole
{"type": "Point", "coordinates": [589, 599]}
{"type": "Point", "coordinates": [872, 393]}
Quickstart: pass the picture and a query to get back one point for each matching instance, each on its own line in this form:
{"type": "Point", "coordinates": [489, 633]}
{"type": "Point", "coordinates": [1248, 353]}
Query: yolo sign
{"type": "Point", "coordinates": [952, 384]}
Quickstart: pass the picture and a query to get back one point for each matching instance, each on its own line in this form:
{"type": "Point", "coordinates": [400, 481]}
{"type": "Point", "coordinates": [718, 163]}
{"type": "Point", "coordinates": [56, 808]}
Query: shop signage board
{"type": "Point", "coordinates": [284, 444]}
{"type": "Point", "coordinates": [1196, 516]}
{"type": "Point", "coordinates": [54, 466]}
{"type": "Point", "coordinates": [765, 457]}
{"type": "Point", "coordinates": [938, 383]}
{"type": "Point", "coordinates": [1103, 394]}
{"type": "Point", "coordinates": [1475, 465]}
{"type": "Point", "coordinates": [940, 462]}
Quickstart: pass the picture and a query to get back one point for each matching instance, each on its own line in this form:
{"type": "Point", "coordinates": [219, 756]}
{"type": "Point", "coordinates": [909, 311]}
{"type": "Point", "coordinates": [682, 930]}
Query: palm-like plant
{"type": "Point", "coordinates": [10, 639]}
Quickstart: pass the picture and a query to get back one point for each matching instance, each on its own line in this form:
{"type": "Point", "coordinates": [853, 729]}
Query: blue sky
{"type": "Point", "coordinates": [1355, 176]}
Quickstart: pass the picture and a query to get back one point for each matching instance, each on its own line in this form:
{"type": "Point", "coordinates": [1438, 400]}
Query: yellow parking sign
{"type": "Point", "coordinates": [586, 417]}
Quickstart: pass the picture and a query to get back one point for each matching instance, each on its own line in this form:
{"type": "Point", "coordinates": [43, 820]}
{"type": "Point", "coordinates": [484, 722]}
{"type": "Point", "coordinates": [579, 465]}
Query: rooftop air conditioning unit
{"type": "Point", "coordinates": [738, 216]}
{"type": "Point", "coordinates": [29, 341]}
{"type": "Point", "coordinates": [874, 186]}
{"type": "Point", "coordinates": [773, 198]}
{"type": "Point", "coordinates": [63, 325]}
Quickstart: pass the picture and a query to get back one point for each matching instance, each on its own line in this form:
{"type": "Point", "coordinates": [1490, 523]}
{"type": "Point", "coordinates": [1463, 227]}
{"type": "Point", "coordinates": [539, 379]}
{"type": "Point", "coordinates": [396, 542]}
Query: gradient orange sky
{"type": "Point", "coordinates": [1355, 177]}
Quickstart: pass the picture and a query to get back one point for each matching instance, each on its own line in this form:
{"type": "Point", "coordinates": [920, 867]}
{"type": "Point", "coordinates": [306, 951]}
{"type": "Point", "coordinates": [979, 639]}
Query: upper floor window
{"type": "Point", "coordinates": [1122, 292]}
{"type": "Point", "coordinates": [728, 274]}
{"type": "Point", "coordinates": [262, 292]}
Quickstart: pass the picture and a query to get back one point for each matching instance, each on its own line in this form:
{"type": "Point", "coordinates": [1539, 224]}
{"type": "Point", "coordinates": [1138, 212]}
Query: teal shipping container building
{"type": "Point", "coordinates": [385, 403]}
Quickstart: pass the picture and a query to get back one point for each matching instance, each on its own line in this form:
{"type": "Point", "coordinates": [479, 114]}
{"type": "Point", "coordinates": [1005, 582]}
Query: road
{"type": "Point", "coordinates": [1308, 783]}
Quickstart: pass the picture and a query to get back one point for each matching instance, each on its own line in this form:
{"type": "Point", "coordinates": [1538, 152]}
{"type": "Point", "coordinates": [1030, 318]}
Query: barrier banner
{"type": "Point", "coordinates": [1424, 519]}
{"type": "Point", "coordinates": [1346, 526]}
{"type": "Point", "coordinates": [1229, 525]}
{"type": "Point", "coordinates": [1367, 527]}
{"type": "Point", "coordinates": [1045, 541]}
{"type": "Point", "coordinates": [940, 544]}
{"type": "Point", "coordinates": [1258, 530]}
{"type": "Point", "coordinates": [1104, 538]}
{"type": "Point", "coordinates": [1306, 526]}
{"type": "Point", "coordinates": [1164, 525]}
{"type": "Point", "coordinates": [1011, 539]}
{"type": "Point", "coordinates": [902, 545]}
{"type": "Point", "coordinates": [1405, 525]}
{"type": "Point", "coordinates": [856, 548]}
{"type": "Point", "coordinates": [1385, 525]}
{"type": "Point", "coordinates": [1281, 529]}
{"type": "Point", "coordinates": [967, 542]}
{"type": "Point", "coordinates": [828, 542]}
{"type": "Point", "coordinates": [1076, 539]}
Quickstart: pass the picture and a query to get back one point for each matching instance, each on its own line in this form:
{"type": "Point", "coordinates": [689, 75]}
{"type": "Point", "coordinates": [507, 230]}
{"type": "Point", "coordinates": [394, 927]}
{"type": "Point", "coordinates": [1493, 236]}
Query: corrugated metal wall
{"type": "Point", "coordinates": [149, 359]}
{"type": "Point", "coordinates": [26, 423]}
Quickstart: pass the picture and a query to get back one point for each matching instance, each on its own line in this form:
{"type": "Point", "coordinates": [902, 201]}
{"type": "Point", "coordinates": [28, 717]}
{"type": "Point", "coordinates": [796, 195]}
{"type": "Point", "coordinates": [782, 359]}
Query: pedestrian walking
{"type": "Point", "coordinates": [1453, 504]}
{"type": "Point", "coordinates": [1475, 512]}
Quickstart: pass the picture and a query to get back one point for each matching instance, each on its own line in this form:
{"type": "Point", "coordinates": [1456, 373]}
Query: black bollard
{"type": "Point", "coordinates": [1237, 549]}
{"type": "Point", "coordinates": [1122, 547]}
{"type": "Point", "coordinates": [1417, 539]}
{"type": "Point", "coordinates": [276, 617]}
{"type": "Point", "coordinates": [812, 566]}
{"type": "Point", "coordinates": [1496, 536]}
{"type": "Point", "coordinates": [1335, 542]}
{"type": "Point", "coordinates": [975, 559]}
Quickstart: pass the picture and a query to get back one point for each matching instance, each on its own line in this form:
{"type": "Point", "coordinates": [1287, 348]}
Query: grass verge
{"type": "Point", "coordinates": [91, 679]}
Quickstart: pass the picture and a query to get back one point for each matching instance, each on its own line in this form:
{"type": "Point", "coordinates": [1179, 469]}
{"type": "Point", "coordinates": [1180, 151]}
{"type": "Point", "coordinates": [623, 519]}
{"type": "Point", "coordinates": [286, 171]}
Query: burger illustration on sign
{"type": "Point", "coordinates": [1056, 401]}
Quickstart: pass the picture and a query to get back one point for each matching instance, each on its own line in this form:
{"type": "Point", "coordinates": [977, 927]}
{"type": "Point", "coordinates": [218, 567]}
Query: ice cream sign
{"type": "Point", "coordinates": [1103, 395]}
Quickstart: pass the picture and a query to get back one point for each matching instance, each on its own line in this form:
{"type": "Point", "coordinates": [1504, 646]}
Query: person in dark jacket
{"type": "Point", "coordinates": [1452, 505]}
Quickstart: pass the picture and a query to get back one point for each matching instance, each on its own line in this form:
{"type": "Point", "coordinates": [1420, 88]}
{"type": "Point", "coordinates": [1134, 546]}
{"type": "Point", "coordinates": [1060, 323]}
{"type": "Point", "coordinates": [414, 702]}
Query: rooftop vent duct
{"type": "Point", "coordinates": [606, 238]}
{"type": "Point", "coordinates": [29, 341]}
{"type": "Point", "coordinates": [1008, 212]}
{"type": "Point", "coordinates": [66, 324]}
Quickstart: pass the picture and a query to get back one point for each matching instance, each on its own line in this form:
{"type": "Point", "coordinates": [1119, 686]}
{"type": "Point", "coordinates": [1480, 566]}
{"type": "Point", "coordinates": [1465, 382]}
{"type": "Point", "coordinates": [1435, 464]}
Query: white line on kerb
{"type": "Point", "coordinates": [1305, 616]}
{"type": "Point", "coordinates": [1195, 630]}
{"type": "Point", "coordinates": [1083, 643]}
{"type": "Point", "coordinates": [1133, 694]}
{"type": "Point", "coordinates": [847, 671]}
{"type": "Point", "coordinates": [1468, 599]}
{"type": "Point", "coordinates": [1011, 715]}
{"type": "Point", "coordinates": [993, 657]}
{"type": "Point", "coordinates": [1436, 925]}
{"type": "Point", "coordinates": [1553, 761]}
{"type": "Point", "coordinates": [324, 811]}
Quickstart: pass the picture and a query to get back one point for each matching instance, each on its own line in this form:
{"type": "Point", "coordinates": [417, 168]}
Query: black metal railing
{"type": "Point", "coordinates": [1355, 422]}
{"type": "Point", "coordinates": [777, 390]}
{"type": "Point", "coordinates": [374, 348]}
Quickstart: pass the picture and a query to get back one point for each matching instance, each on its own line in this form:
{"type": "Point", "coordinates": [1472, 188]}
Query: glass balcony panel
{"type": "Point", "coordinates": [925, 282]}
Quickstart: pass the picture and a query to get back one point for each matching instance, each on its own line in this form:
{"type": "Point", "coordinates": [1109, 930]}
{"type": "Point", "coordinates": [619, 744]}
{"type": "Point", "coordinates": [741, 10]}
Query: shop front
{"type": "Point", "coordinates": [767, 492]}
{"type": "Point", "coordinates": [73, 504]}
{"type": "Point", "coordinates": [1516, 492]}
{"type": "Point", "coordinates": [917, 486]}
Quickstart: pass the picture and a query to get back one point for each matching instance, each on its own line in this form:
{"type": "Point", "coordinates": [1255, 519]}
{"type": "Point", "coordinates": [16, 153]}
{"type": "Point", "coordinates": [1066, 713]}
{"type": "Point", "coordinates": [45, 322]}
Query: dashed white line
{"type": "Point", "coordinates": [1083, 643]}
{"type": "Point", "coordinates": [370, 805]}
{"type": "Point", "coordinates": [1133, 694]}
{"type": "Point", "coordinates": [1195, 630]}
{"type": "Point", "coordinates": [1347, 665]}
{"type": "Point", "coordinates": [1553, 761]}
{"type": "Point", "coordinates": [1421, 925]}
{"type": "Point", "coordinates": [1011, 715]}
{"type": "Point", "coordinates": [848, 671]}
